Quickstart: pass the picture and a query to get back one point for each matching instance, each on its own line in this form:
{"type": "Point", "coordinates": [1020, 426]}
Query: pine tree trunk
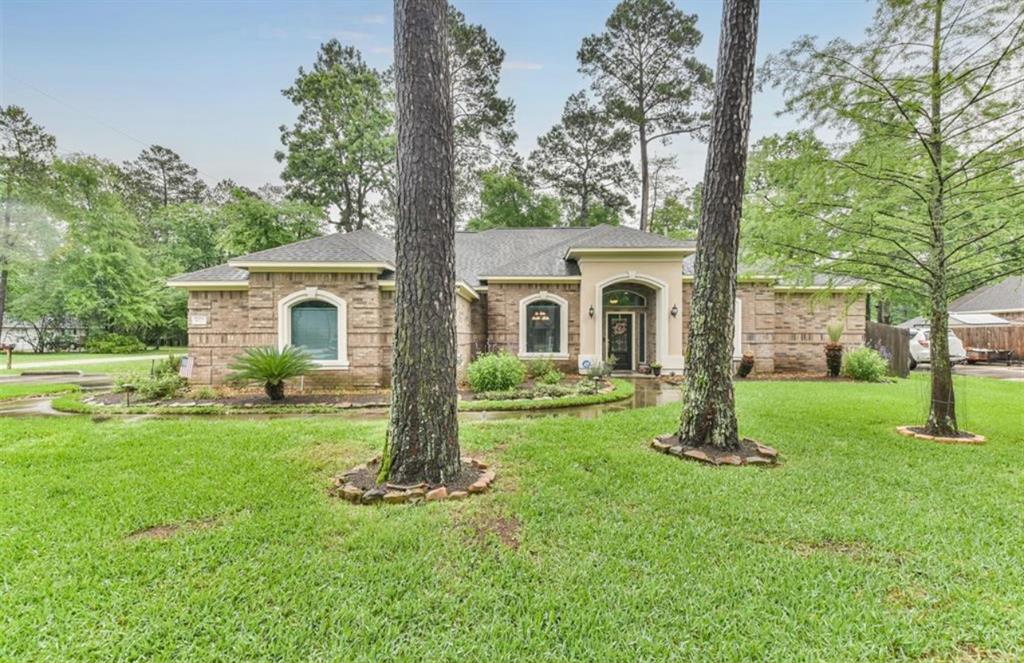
{"type": "Point", "coordinates": [645, 179]}
{"type": "Point", "coordinates": [423, 433]}
{"type": "Point", "coordinates": [5, 246]}
{"type": "Point", "coordinates": [709, 415]}
{"type": "Point", "coordinates": [942, 413]}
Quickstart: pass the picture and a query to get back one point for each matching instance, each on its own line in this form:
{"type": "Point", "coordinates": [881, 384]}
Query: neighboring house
{"type": "Point", "coordinates": [959, 320]}
{"type": "Point", "coordinates": [1004, 299]}
{"type": "Point", "coordinates": [574, 295]}
{"type": "Point", "coordinates": [24, 336]}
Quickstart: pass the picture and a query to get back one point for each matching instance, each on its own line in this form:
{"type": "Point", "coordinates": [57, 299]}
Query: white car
{"type": "Point", "coordinates": [920, 347]}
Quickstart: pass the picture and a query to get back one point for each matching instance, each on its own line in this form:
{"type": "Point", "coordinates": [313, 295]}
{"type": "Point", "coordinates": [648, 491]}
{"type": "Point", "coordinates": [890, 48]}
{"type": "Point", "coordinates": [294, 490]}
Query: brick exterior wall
{"type": "Point", "coordinates": [785, 331]}
{"type": "Point", "coordinates": [800, 322]}
{"type": "Point", "coordinates": [243, 319]}
{"type": "Point", "coordinates": [503, 316]}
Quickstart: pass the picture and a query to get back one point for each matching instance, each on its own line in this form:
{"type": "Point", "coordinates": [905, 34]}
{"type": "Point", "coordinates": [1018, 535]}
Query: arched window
{"type": "Point", "coordinates": [315, 328]}
{"type": "Point", "coordinates": [544, 326]}
{"type": "Point", "coordinates": [621, 297]}
{"type": "Point", "coordinates": [317, 321]}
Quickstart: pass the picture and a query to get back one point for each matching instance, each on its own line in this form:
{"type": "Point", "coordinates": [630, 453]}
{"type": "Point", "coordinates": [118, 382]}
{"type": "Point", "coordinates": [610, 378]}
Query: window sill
{"type": "Point", "coordinates": [544, 355]}
{"type": "Point", "coordinates": [331, 365]}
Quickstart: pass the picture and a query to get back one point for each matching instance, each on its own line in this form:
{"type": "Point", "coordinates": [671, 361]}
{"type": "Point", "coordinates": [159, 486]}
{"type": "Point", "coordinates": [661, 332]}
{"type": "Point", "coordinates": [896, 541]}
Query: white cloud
{"type": "Point", "coordinates": [375, 19]}
{"type": "Point", "coordinates": [522, 65]}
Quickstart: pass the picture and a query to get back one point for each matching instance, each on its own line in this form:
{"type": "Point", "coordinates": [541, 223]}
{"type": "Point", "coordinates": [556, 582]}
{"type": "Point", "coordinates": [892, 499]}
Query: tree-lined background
{"type": "Point", "coordinates": [847, 195]}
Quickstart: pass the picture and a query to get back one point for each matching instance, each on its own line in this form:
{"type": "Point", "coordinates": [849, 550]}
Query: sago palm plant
{"type": "Point", "coordinates": [271, 367]}
{"type": "Point", "coordinates": [834, 349]}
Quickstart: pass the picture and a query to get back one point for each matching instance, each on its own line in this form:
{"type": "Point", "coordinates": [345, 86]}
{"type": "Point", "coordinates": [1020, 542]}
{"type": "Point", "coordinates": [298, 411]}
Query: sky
{"type": "Point", "coordinates": [205, 78]}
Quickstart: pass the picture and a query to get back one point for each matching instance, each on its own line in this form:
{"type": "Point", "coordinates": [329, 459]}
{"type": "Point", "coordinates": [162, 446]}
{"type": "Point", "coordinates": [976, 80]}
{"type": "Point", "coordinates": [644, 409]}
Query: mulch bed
{"type": "Point", "coordinates": [359, 485]}
{"type": "Point", "coordinates": [354, 399]}
{"type": "Point", "coordinates": [750, 452]}
{"type": "Point", "coordinates": [961, 437]}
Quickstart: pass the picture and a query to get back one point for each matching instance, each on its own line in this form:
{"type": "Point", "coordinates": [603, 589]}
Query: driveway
{"type": "Point", "coordinates": [1013, 373]}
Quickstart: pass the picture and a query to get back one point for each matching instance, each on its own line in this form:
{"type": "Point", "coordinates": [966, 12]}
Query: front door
{"type": "Point", "coordinates": [620, 340]}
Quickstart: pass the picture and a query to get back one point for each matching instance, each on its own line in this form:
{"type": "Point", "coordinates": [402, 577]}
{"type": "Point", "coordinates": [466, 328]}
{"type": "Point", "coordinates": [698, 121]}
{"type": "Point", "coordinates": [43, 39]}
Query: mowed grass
{"type": "Point", "coordinates": [862, 545]}
{"type": "Point", "coordinates": [72, 361]}
{"type": "Point", "coordinates": [11, 391]}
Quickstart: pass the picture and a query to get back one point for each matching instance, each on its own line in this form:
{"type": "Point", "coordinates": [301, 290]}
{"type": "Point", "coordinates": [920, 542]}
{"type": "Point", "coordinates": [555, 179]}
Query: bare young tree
{"type": "Point", "coordinates": [709, 411]}
{"type": "Point", "coordinates": [423, 432]}
{"type": "Point", "coordinates": [922, 198]}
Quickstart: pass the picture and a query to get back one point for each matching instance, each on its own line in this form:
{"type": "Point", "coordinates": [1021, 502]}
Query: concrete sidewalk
{"type": "Point", "coordinates": [61, 363]}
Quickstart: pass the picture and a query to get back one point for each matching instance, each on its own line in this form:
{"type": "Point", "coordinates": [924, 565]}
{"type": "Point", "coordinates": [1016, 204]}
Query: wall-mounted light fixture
{"type": "Point", "coordinates": [675, 311]}
{"type": "Point", "coordinates": [591, 311]}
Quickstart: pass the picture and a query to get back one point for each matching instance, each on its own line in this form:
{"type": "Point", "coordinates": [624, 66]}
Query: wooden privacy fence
{"type": "Point", "coordinates": [993, 338]}
{"type": "Point", "coordinates": [893, 343]}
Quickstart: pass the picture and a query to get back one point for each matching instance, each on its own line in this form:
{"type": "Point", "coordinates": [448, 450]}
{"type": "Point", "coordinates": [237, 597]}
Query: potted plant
{"type": "Point", "coordinates": [271, 367]}
{"type": "Point", "coordinates": [746, 365]}
{"type": "Point", "coordinates": [655, 368]}
{"type": "Point", "coordinates": [834, 349]}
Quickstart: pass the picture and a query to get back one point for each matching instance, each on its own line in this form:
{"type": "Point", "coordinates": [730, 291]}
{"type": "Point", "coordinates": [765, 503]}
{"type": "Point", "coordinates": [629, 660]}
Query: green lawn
{"type": "Point", "coordinates": [70, 361]}
{"type": "Point", "coordinates": [863, 545]}
{"type": "Point", "coordinates": [9, 391]}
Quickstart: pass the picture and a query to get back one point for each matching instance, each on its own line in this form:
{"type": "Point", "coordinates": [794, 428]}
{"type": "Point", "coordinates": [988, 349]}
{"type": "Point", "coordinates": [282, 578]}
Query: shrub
{"type": "Point", "coordinates": [551, 390]}
{"type": "Point", "coordinates": [271, 367]}
{"type": "Point", "coordinates": [587, 386]}
{"type": "Point", "coordinates": [865, 364]}
{"type": "Point", "coordinates": [495, 371]}
{"type": "Point", "coordinates": [150, 387]}
{"type": "Point", "coordinates": [601, 369]}
{"type": "Point", "coordinates": [114, 344]}
{"type": "Point", "coordinates": [834, 349]}
{"type": "Point", "coordinates": [834, 331]}
{"type": "Point", "coordinates": [554, 376]}
{"type": "Point", "coordinates": [170, 365]}
{"type": "Point", "coordinates": [535, 368]}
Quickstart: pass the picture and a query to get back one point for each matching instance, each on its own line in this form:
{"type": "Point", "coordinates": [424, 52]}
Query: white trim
{"type": "Point", "coordinates": [737, 330]}
{"type": "Point", "coordinates": [532, 279]}
{"type": "Point", "coordinates": [563, 332]}
{"type": "Point", "coordinates": [662, 294]}
{"type": "Point", "coordinates": [209, 285]}
{"type": "Point", "coordinates": [284, 326]}
{"type": "Point", "coordinates": [355, 267]}
{"type": "Point", "coordinates": [621, 250]}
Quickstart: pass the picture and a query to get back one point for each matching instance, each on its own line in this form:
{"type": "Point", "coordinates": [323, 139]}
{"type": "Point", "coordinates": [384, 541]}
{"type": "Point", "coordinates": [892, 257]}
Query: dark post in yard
{"type": "Point", "coordinates": [423, 433]}
{"type": "Point", "coordinates": [709, 416]}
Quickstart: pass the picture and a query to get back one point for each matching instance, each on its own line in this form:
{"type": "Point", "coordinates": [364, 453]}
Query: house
{"type": "Point", "coordinates": [577, 296]}
{"type": "Point", "coordinates": [1004, 299]}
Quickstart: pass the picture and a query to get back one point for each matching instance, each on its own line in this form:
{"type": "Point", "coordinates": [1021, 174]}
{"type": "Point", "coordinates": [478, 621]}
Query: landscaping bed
{"type": "Point", "coordinates": [320, 403]}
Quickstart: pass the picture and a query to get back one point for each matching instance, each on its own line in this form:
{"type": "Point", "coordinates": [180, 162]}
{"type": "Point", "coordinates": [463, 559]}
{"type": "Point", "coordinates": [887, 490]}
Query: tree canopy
{"type": "Point", "coordinates": [644, 70]}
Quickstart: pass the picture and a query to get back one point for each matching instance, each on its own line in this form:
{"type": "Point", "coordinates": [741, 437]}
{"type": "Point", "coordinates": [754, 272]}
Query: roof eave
{"type": "Point", "coordinates": [308, 266]}
{"type": "Point", "coordinates": [582, 251]}
{"type": "Point", "coordinates": [209, 285]}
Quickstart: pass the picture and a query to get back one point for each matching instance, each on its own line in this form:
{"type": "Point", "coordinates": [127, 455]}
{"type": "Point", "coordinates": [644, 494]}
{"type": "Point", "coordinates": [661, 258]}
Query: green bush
{"type": "Point", "coordinates": [865, 365]}
{"type": "Point", "coordinates": [150, 387]}
{"type": "Point", "coordinates": [171, 365]}
{"type": "Point", "coordinates": [495, 371]}
{"type": "Point", "coordinates": [114, 344]}
{"type": "Point", "coordinates": [588, 386]}
{"type": "Point", "coordinates": [554, 376]}
{"type": "Point", "coordinates": [552, 390]}
{"type": "Point", "coordinates": [271, 367]}
{"type": "Point", "coordinates": [535, 368]}
{"type": "Point", "coordinates": [602, 369]}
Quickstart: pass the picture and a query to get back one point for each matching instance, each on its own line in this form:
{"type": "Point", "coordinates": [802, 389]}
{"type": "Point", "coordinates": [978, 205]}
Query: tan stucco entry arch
{"type": "Point", "coordinates": [662, 276]}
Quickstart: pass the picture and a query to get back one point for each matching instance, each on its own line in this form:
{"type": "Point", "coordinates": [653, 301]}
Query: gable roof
{"type": "Point", "coordinates": [499, 252]}
{"type": "Point", "coordinates": [1006, 295]}
{"type": "Point", "coordinates": [218, 274]}
{"type": "Point", "coordinates": [358, 246]}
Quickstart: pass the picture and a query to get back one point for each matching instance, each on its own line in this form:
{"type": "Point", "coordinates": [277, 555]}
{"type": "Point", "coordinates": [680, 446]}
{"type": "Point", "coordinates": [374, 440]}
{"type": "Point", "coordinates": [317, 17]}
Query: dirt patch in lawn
{"type": "Point", "coordinates": [482, 527]}
{"type": "Point", "coordinates": [843, 548]}
{"type": "Point", "coordinates": [162, 532]}
{"type": "Point", "coordinates": [750, 452]}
